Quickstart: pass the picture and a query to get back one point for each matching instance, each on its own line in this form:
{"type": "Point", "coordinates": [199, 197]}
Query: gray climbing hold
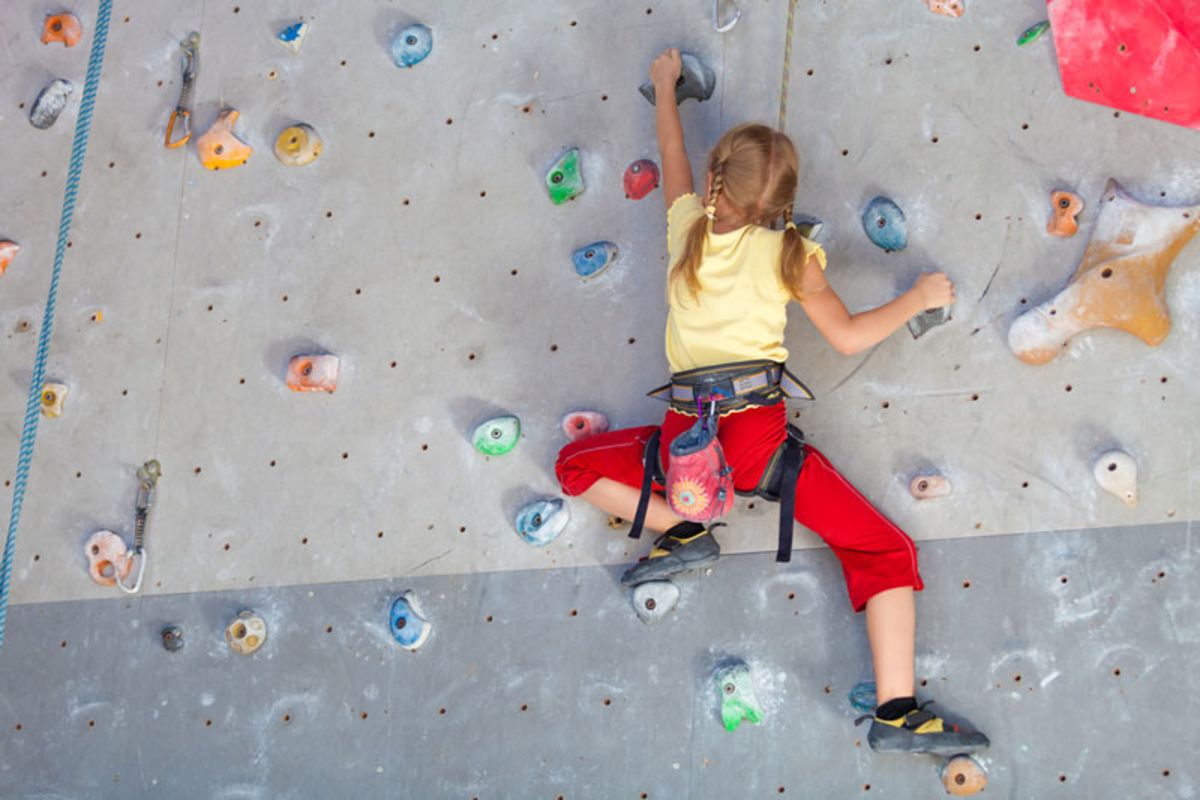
{"type": "Point", "coordinates": [808, 226]}
{"type": "Point", "coordinates": [653, 600]}
{"type": "Point", "coordinates": [922, 323]}
{"type": "Point", "coordinates": [50, 102]}
{"type": "Point", "coordinates": [695, 80]}
{"type": "Point", "coordinates": [172, 638]}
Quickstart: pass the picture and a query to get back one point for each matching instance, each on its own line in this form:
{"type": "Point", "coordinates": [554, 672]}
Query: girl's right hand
{"type": "Point", "coordinates": [666, 68]}
{"type": "Point", "coordinates": [934, 289]}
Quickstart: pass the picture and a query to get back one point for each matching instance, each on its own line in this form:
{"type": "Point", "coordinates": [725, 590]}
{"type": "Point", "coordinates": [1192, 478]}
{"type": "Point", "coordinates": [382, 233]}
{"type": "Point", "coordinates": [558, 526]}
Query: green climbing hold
{"type": "Point", "coordinates": [564, 181]}
{"type": "Point", "coordinates": [737, 696]}
{"type": "Point", "coordinates": [497, 436]}
{"type": "Point", "coordinates": [1033, 32]}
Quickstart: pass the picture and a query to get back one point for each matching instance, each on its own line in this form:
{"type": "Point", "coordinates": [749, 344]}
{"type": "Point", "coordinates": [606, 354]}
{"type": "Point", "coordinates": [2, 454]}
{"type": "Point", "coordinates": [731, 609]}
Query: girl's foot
{"type": "Point", "coordinates": [674, 552]}
{"type": "Point", "coordinates": [918, 731]}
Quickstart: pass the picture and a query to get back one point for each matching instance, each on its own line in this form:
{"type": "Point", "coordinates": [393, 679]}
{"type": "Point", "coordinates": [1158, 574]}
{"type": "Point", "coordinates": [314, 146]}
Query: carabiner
{"type": "Point", "coordinates": [724, 27]}
{"type": "Point", "coordinates": [177, 114]}
{"type": "Point", "coordinates": [140, 554]}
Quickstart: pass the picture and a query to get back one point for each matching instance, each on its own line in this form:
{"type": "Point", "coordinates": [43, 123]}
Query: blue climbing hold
{"type": "Point", "coordinates": [885, 225]}
{"type": "Point", "coordinates": [409, 628]}
{"type": "Point", "coordinates": [862, 697]}
{"type": "Point", "coordinates": [594, 259]}
{"type": "Point", "coordinates": [540, 522]}
{"type": "Point", "coordinates": [411, 45]}
{"type": "Point", "coordinates": [292, 36]}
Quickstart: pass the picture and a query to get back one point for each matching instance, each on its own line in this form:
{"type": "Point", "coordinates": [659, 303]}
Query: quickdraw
{"type": "Point", "coordinates": [182, 115]}
{"type": "Point", "coordinates": [148, 475]}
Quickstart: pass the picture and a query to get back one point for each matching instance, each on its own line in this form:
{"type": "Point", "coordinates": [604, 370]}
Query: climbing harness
{"type": "Point", "coordinates": [83, 127]}
{"type": "Point", "coordinates": [732, 387]}
{"type": "Point", "coordinates": [148, 475]}
{"type": "Point", "coordinates": [735, 385]}
{"type": "Point", "coordinates": [727, 25]}
{"type": "Point", "coordinates": [182, 115]}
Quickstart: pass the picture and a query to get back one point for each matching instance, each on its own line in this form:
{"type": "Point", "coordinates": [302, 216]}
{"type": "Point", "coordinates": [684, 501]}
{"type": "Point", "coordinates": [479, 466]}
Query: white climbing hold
{"type": "Point", "coordinates": [928, 487]}
{"type": "Point", "coordinates": [652, 601]}
{"type": "Point", "coordinates": [1116, 472]}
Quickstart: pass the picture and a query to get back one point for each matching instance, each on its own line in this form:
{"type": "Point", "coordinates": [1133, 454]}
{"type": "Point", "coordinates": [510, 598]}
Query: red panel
{"type": "Point", "coordinates": [1141, 56]}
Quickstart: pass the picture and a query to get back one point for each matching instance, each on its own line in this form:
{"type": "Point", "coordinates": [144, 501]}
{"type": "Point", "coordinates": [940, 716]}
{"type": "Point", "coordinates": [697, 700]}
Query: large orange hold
{"type": "Point", "coordinates": [63, 28]}
{"type": "Point", "coordinates": [107, 555]}
{"type": "Point", "coordinates": [219, 147]}
{"type": "Point", "coordinates": [962, 776]}
{"type": "Point", "coordinates": [313, 373]}
{"type": "Point", "coordinates": [1064, 208]}
{"type": "Point", "coordinates": [1120, 282]}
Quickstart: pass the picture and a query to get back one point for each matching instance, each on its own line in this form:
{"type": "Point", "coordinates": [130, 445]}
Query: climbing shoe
{"type": "Point", "coordinates": [674, 553]}
{"type": "Point", "coordinates": [920, 731]}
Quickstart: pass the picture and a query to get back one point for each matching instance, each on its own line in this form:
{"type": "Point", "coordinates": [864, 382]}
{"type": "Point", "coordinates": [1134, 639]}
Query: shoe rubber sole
{"type": "Point", "coordinates": [656, 569]}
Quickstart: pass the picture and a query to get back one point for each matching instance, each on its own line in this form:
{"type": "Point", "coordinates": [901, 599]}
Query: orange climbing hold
{"type": "Point", "coordinates": [962, 776]}
{"type": "Point", "coordinates": [8, 251]}
{"type": "Point", "coordinates": [313, 374]}
{"type": "Point", "coordinates": [219, 147]}
{"type": "Point", "coordinates": [107, 555]}
{"type": "Point", "coordinates": [63, 28]}
{"type": "Point", "coordinates": [950, 8]}
{"type": "Point", "coordinates": [1064, 208]}
{"type": "Point", "coordinates": [1120, 282]}
{"type": "Point", "coordinates": [930, 487]}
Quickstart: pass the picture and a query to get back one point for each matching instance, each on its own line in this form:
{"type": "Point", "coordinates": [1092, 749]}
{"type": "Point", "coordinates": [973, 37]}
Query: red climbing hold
{"type": "Point", "coordinates": [1140, 56]}
{"type": "Point", "coordinates": [641, 178]}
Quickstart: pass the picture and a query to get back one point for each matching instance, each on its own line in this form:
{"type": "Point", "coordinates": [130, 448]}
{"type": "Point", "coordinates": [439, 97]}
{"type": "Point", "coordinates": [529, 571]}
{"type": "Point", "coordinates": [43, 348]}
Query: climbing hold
{"type": "Point", "coordinates": [298, 145]}
{"type": "Point", "coordinates": [962, 776]}
{"type": "Point", "coordinates": [8, 251]}
{"type": "Point", "coordinates": [498, 436]}
{"type": "Point", "coordinates": [930, 318]}
{"type": "Point", "coordinates": [1116, 472]}
{"type": "Point", "coordinates": [862, 697]}
{"type": "Point", "coordinates": [317, 373]}
{"type": "Point", "coordinates": [53, 397]}
{"type": "Point", "coordinates": [641, 178]}
{"type": "Point", "coordinates": [950, 8]}
{"type": "Point", "coordinates": [409, 627]}
{"type": "Point", "coordinates": [246, 633]}
{"type": "Point", "coordinates": [884, 223]}
{"type": "Point", "coordinates": [593, 259]}
{"type": "Point", "coordinates": [1119, 283]}
{"type": "Point", "coordinates": [1033, 32]}
{"type": "Point", "coordinates": [928, 487]}
{"type": "Point", "coordinates": [695, 80]}
{"type": "Point", "coordinates": [412, 45]}
{"type": "Point", "coordinates": [219, 147]}
{"type": "Point", "coordinates": [738, 702]}
{"type": "Point", "coordinates": [808, 226]}
{"type": "Point", "coordinates": [582, 424]}
{"type": "Point", "coordinates": [564, 180]}
{"type": "Point", "coordinates": [1064, 208]}
{"type": "Point", "coordinates": [540, 522]}
{"type": "Point", "coordinates": [292, 36]}
{"type": "Point", "coordinates": [50, 102]}
{"type": "Point", "coordinates": [172, 638]}
{"type": "Point", "coordinates": [107, 554]}
{"type": "Point", "coordinates": [653, 600]}
{"type": "Point", "coordinates": [63, 28]}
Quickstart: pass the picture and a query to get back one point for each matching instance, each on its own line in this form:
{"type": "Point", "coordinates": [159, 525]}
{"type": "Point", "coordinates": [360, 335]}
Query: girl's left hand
{"type": "Point", "coordinates": [666, 68]}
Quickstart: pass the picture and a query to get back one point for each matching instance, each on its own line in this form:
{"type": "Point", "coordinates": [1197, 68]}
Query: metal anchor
{"type": "Point", "coordinates": [148, 475]}
{"type": "Point", "coordinates": [182, 114]}
{"type": "Point", "coordinates": [724, 27]}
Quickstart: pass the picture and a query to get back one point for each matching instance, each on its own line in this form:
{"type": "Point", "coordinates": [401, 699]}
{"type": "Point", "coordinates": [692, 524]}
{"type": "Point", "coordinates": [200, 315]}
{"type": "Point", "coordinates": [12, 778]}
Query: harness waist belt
{"type": "Point", "coordinates": [733, 386]}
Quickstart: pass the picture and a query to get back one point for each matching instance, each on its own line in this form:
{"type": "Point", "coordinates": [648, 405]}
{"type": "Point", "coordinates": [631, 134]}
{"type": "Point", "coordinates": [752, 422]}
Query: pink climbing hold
{"type": "Point", "coordinates": [641, 178]}
{"type": "Point", "coordinates": [582, 424]}
{"type": "Point", "coordinates": [8, 251]}
{"type": "Point", "coordinates": [1132, 55]}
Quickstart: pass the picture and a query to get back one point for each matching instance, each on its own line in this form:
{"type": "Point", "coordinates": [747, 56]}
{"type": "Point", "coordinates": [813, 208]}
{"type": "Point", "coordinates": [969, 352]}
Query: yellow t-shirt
{"type": "Point", "coordinates": [741, 309]}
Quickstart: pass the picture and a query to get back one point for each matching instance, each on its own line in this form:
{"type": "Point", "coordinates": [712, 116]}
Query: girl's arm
{"type": "Point", "coordinates": [852, 333]}
{"type": "Point", "coordinates": [677, 170]}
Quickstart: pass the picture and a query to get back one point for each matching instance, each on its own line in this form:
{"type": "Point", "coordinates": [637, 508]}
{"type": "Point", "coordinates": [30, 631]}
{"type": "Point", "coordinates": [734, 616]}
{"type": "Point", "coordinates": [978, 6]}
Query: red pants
{"type": "Point", "coordinates": [875, 554]}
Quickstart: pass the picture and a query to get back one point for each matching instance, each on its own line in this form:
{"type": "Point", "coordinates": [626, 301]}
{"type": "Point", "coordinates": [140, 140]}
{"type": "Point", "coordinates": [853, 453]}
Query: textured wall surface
{"type": "Point", "coordinates": [421, 248]}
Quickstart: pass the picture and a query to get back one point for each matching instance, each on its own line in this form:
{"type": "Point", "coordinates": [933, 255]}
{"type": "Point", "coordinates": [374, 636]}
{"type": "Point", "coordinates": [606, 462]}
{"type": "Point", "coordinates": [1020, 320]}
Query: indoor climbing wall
{"type": "Point", "coordinates": [422, 250]}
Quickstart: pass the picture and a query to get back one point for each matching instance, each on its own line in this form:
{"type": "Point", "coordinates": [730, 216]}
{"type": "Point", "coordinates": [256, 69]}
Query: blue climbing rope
{"type": "Point", "coordinates": [83, 127]}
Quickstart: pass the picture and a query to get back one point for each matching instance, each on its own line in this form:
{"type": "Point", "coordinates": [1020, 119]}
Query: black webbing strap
{"type": "Point", "coordinates": [793, 458]}
{"type": "Point", "coordinates": [650, 468]}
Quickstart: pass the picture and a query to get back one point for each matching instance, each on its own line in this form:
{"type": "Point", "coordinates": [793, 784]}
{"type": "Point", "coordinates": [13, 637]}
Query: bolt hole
{"type": "Point", "coordinates": [845, 152]}
{"type": "Point", "coordinates": [1062, 778]}
{"type": "Point", "coordinates": [1106, 272]}
{"type": "Point", "coordinates": [966, 584]}
{"type": "Point", "coordinates": [442, 711]}
{"type": "Point", "coordinates": [1117, 672]}
{"type": "Point", "coordinates": [287, 717]}
{"type": "Point", "coordinates": [1024, 484]}
{"type": "Point", "coordinates": [363, 715]}
{"type": "Point", "coordinates": [488, 618]}
{"type": "Point", "coordinates": [524, 706]}
{"type": "Point", "coordinates": [1067, 388]}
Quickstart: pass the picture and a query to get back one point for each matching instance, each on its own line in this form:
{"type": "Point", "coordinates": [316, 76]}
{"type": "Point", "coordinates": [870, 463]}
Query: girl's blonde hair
{"type": "Point", "coordinates": [756, 168]}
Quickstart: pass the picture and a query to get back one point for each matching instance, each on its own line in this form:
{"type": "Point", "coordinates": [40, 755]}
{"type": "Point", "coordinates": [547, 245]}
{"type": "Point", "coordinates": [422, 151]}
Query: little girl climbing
{"type": "Point", "coordinates": [730, 280]}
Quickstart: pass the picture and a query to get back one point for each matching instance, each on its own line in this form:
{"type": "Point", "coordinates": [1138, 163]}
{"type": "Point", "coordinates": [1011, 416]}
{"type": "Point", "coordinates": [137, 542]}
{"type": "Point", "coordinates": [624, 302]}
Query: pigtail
{"type": "Point", "coordinates": [687, 267]}
{"type": "Point", "coordinates": [792, 258]}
